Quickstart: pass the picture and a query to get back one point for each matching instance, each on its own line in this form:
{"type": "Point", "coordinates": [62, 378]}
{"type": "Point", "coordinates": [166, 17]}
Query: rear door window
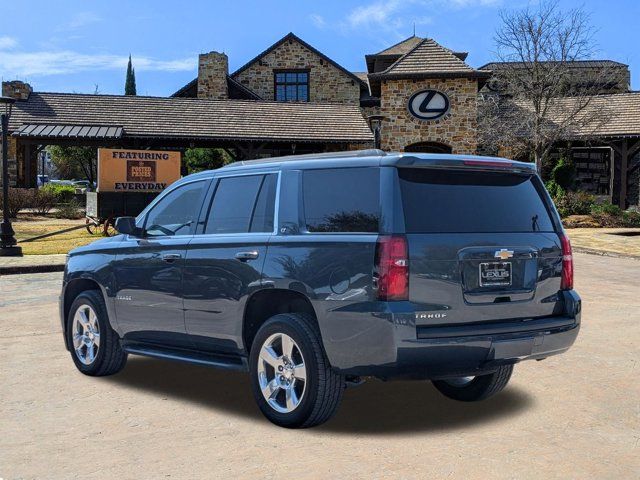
{"type": "Point", "coordinates": [342, 200]}
{"type": "Point", "coordinates": [436, 201]}
{"type": "Point", "coordinates": [242, 204]}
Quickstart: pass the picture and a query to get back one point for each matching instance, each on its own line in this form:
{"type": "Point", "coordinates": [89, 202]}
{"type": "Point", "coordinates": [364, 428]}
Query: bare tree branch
{"type": "Point", "coordinates": [538, 96]}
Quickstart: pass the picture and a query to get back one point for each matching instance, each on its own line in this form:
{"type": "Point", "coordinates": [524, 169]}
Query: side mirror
{"type": "Point", "coordinates": [127, 226]}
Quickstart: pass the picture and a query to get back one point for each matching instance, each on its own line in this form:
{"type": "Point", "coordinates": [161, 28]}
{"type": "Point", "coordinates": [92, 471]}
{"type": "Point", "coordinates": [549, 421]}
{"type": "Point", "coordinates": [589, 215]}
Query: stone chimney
{"type": "Point", "coordinates": [16, 89]}
{"type": "Point", "coordinates": [213, 68]}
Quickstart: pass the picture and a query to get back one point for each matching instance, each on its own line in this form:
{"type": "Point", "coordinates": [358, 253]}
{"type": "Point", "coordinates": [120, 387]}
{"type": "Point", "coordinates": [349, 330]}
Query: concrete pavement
{"type": "Point", "coordinates": [572, 416]}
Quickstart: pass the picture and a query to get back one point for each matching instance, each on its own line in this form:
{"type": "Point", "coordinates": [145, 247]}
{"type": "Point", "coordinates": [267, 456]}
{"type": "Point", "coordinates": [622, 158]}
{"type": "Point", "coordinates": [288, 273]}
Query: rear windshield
{"type": "Point", "coordinates": [464, 202]}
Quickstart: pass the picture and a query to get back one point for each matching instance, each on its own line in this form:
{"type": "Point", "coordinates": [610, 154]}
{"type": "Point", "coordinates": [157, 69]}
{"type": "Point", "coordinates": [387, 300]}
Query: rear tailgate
{"type": "Point", "coordinates": [482, 246]}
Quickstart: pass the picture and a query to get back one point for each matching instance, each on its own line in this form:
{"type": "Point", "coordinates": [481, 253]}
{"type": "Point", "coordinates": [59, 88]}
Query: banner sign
{"type": "Point", "coordinates": [136, 170]}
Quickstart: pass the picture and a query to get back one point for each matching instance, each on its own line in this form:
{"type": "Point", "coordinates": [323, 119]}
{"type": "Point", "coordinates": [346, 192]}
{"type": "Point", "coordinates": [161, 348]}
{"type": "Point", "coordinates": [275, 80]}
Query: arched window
{"type": "Point", "coordinates": [428, 147]}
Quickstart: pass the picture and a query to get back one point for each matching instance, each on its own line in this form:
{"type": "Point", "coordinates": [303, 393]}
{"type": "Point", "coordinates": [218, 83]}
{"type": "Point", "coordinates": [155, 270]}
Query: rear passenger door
{"type": "Point", "coordinates": [224, 260]}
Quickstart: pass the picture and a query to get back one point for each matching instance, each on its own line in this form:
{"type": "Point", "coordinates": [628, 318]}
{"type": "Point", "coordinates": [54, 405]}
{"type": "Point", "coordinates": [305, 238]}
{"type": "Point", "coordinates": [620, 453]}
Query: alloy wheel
{"type": "Point", "coordinates": [282, 373]}
{"type": "Point", "coordinates": [86, 334]}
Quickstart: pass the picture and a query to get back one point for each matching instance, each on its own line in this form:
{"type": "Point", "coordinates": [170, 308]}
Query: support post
{"type": "Point", "coordinates": [624, 161]}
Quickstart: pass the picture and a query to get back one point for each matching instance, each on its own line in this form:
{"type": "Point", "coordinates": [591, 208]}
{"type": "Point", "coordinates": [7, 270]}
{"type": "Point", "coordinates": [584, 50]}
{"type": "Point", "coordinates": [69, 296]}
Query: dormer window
{"type": "Point", "coordinates": [291, 86]}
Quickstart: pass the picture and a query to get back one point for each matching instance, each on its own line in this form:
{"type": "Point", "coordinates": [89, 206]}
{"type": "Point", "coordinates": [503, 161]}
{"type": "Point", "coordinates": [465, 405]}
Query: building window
{"type": "Point", "coordinates": [292, 86]}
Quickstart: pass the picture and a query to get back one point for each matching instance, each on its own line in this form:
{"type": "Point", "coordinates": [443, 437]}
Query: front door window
{"type": "Point", "coordinates": [176, 212]}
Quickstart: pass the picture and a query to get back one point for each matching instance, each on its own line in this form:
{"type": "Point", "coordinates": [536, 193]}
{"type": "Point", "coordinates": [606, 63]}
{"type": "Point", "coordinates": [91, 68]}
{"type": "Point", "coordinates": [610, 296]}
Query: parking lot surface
{"type": "Point", "coordinates": [572, 416]}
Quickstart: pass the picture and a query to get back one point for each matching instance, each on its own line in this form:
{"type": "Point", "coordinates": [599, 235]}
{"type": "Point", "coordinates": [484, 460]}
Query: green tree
{"type": "Point", "coordinates": [130, 82]}
{"type": "Point", "coordinates": [199, 159]}
{"type": "Point", "coordinates": [75, 162]}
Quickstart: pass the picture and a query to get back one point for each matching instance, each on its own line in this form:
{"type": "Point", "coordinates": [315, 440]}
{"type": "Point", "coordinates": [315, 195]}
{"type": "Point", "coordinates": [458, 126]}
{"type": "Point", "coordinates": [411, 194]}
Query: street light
{"type": "Point", "coordinates": [375, 122]}
{"type": "Point", "coordinates": [8, 242]}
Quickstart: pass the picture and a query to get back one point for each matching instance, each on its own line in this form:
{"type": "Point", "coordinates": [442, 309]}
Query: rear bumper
{"type": "Point", "coordinates": [457, 350]}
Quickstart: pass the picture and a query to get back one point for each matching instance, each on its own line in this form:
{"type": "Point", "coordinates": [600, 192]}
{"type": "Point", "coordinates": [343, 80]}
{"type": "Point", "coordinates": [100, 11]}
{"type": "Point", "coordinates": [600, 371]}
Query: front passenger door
{"type": "Point", "coordinates": [149, 269]}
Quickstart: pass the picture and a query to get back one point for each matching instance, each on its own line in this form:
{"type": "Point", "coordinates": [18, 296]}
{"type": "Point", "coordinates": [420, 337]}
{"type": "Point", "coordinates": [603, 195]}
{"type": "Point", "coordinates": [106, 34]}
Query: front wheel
{"type": "Point", "coordinates": [94, 345]}
{"type": "Point", "coordinates": [472, 389]}
{"type": "Point", "coordinates": [292, 381]}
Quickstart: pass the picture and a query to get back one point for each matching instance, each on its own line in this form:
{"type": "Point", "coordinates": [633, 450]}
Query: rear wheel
{"type": "Point", "coordinates": [291, 379]}
{"type": "Point", "coordinates": [471, 389]}
{"type": "Point", "coordinates": [95, 346]}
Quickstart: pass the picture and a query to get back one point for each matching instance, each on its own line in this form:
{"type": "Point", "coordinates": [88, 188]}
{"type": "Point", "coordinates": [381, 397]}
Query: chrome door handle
{"type": "Point", "coordinates": [170, 257]}
{"type": "Point", "coordinates": [242, 256]}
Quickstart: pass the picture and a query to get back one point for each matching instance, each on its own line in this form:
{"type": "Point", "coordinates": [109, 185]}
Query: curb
{"type": "Point", "coordinates": [602, 253]}
{"type": "Point", "coordinates": [20, 269]}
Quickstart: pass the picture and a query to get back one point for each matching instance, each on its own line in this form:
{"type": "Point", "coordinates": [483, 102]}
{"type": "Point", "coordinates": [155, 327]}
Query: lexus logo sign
{"type": "Point", "coordinates": [428, 104]}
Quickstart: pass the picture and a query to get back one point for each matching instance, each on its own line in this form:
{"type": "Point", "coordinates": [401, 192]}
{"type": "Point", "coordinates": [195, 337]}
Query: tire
{"type": "Point", "coordinates": [101, 359]}
{"type": "Point", "coordinates": [318, 395]}
{"type": "Point", "coordinates": [475, 388]}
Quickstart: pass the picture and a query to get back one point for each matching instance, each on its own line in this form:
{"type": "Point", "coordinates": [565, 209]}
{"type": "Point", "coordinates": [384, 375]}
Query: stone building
{"type": "Point", "coordinates": [415, 96]}
{"type": "Point", "coordinates": [293, 70]}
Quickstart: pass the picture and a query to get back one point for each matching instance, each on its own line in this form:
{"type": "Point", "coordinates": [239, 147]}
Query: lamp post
{"type": "Point", "coordinates": [375, 121]}
{"type": "Point", "coordinates": [8, 242]}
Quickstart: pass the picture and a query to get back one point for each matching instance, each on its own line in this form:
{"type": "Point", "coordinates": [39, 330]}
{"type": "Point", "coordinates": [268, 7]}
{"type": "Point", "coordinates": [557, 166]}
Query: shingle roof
{"type": "Point", "coordinates": [430, 58]}
{"type": "Point", "coordinates": [362, 76]}
{"type": "Point", "coordinates": [402, 47]}
{"type": "Point", "coordinates": [192, 118]}
{"type": "Point", "coordinates": [572, 64]}
{"type": "Point", "coordinates": [620, 110]}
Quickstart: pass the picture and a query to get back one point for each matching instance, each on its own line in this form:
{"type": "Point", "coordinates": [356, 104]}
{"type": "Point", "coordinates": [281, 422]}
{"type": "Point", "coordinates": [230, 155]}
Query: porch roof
{"type": "Point", "coordinates": [44, 114]}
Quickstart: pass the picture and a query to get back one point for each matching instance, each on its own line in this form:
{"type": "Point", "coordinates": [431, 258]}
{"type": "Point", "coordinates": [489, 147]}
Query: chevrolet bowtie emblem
{"type": "Point", "coordinates": [503, 254]}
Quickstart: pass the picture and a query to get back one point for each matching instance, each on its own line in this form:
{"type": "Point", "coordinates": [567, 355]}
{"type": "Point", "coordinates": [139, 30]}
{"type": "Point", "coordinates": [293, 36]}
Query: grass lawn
{"type": "Point", "coordinates": [27, 226]}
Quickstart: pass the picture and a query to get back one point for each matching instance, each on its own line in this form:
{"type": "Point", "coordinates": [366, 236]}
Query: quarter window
{"type": "Point", "coordinates": [342, 200]}
{"type": "Point", "coordinates": [292, 86]}
{"type": "Point", "coordinates": [176, 213]}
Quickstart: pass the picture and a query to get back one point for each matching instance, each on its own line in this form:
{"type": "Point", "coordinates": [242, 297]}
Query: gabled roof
{"type": "Point", "coordinates": [428, 58]}
{"type": "Point", "coordinates": [190, 118]}
{"type": "Point", "coordinates": [294, 38]}
{"type": "Point", "coordinates": [239, 91]}
{"type": "Point", "coordinates": [236, 90]}
{"type": "Point", "coordinates": [189, 90]}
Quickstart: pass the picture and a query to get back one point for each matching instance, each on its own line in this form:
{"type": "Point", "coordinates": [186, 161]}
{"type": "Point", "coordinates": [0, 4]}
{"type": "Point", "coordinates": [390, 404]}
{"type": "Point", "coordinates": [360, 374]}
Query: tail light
{"type": "Point", "coordinates": [567, 263]}
{"type": "Point", "coordinates": [392, 266]}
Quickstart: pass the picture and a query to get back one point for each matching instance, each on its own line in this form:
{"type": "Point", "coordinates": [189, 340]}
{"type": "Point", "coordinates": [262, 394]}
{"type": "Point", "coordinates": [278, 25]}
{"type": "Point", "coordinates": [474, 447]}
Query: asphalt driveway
{"type": "Point", "coordinates": [572, 416]}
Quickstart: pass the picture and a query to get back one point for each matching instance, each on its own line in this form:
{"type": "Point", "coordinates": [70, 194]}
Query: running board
{"type": "Point", "coordinates": [228, 362]}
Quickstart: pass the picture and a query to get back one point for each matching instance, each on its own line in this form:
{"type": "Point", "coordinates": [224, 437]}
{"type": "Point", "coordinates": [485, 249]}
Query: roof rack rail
{"type": "Point", "coordinates": [372, 152]}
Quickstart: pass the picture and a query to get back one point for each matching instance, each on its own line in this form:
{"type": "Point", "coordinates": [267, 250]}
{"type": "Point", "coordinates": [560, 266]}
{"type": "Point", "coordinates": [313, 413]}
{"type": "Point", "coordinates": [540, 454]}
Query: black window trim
{"type": "Point", "coordinates": [291, 70]}
{"type": "Point", "coordinates": [217, 179]}
{"type": "Point", "coordinates": [168, 192]}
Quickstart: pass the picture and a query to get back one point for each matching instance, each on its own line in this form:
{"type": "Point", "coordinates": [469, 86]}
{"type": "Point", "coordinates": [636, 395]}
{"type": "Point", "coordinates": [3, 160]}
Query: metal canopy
{"type": "Point", "coordinates": [69, 131]}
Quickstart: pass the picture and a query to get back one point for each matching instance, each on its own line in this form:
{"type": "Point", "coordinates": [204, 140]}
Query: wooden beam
{"type": "Point", "coordinates": [634, 147]}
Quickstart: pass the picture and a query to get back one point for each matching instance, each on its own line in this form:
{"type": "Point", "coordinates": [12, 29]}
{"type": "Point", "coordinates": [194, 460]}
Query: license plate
{"type": "Point", "coordinates": [494, 274]}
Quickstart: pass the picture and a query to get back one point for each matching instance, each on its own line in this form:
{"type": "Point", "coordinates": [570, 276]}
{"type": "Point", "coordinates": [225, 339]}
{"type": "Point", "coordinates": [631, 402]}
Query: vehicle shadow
{"type": "Point", "coordinates": [377, 408]}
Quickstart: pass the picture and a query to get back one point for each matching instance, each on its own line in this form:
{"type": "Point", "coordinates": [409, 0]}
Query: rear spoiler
{"type": "Point", "coordinates": [462, 162]}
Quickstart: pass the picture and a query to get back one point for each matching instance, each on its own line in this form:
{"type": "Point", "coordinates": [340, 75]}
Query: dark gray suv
{"type": "Point", "coordinates": [313, 272]}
